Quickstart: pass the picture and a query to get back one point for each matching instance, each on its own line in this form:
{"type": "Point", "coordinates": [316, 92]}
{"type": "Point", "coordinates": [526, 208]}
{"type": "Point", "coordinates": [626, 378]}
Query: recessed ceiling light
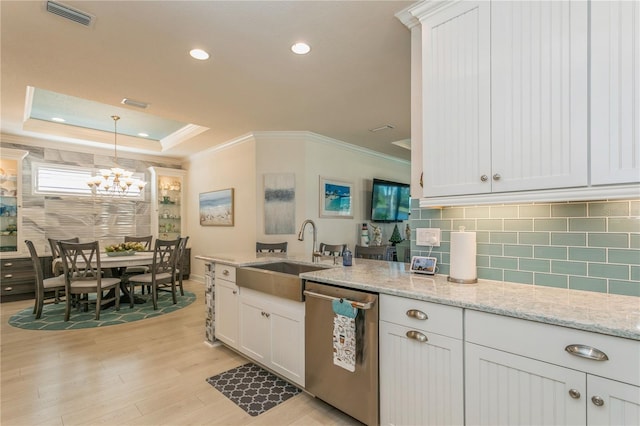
{"type": "Point", "coordinates": [199, 54]}
{"type": "Point", "coordinates": [58, 120]}
{"type": "Point", "coordinates": [143, 135]}
{"type": "Point", "coordinates": [301, 48]}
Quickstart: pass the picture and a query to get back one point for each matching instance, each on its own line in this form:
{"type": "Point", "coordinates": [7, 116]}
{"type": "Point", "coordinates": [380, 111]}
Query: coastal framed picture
{"type": "Point", "coordinates": [336, 198]}
{"type": "Point", "coordinates": [216, 208]}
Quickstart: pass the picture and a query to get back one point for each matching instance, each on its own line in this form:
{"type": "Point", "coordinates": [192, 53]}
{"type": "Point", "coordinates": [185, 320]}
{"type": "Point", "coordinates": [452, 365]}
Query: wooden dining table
{"type": "Point", "coordinates": [117, 265]}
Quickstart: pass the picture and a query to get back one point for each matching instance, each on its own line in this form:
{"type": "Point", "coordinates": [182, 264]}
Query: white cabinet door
{"type": "Point", "coordinates": [615, 92]}
{"type": "Point", "coordinates": [421, 383]}
{"type": "Point", "coordinates": [456, 96]}
{"type": "Point", "coordinates": [287, 343]}
{"type": "Point", "coordinates": [254, 329]}
{"type": "Point", "coordinates": [506, 389]}
{"type": "Point", "coordinates": [538, 95]}
{"type": "Point", "coordinates": [612, 403]}
{"type": "Point", "coordinates": [226, 310]}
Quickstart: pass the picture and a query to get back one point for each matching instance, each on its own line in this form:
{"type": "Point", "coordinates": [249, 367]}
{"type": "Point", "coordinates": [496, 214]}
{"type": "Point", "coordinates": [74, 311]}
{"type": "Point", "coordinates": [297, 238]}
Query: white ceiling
{"type": "Point", "coordinates": [357, 76]}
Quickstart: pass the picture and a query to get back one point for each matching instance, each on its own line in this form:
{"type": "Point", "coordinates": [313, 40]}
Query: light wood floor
{"type": "Point", "coordinates": [150, 372]}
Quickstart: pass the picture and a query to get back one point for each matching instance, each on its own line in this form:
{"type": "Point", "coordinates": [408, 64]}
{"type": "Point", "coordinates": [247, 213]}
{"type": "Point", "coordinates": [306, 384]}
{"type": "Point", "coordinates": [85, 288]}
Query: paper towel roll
{"type": "Point", "coordinates": [463, 257]}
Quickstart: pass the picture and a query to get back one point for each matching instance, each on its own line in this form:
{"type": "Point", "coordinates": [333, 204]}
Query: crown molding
{"type": "Point", "coordinates": [176, 138]}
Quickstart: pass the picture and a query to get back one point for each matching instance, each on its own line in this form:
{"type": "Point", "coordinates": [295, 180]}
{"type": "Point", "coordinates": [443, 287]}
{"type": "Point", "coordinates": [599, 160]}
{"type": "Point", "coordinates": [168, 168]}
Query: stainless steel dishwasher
{"type": "Point", "coordinates": [355, 393]}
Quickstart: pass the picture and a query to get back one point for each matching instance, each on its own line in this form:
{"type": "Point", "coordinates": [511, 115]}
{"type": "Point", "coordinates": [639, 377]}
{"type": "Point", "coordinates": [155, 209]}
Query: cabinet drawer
{"type": "Point", "coordinates": [16, 264]}
{"type": "Point", "coordinates": [7, 289]}
{"type": "Point", "coordinates": [547, 342]}
{"type": "Point", "coordinates": [440, 319]}
{"type": "Point", "coordinates": [225, 272]}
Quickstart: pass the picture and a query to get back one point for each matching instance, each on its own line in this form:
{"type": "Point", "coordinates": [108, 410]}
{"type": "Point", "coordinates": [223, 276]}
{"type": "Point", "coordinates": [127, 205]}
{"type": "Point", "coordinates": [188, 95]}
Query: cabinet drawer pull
{"type": "Point", "coordinates": [8, 276]}
{"type": "Point", "coordinates": [225, 272]}
{"type": "Point", "coordinates": [588, 352]}
{"type": "Point", "coordinates": [497, 176]}
{"type": "Point", "coordinates": [235, 292]}
{"type": "Point", "coordinates": [414, 313]}
{"type": "Point", "coordinates": [8, 289]}
{"type": "Point", "coordinates": [597, 401]}
{"type": "Point", "coordinates": [484, 178]}
{"type": "Point", "coordinates": [573, 393]}
{"type": "Point", "coordinates": [8, 264]}
{"type": "Point", "coordinates": [416, 335]}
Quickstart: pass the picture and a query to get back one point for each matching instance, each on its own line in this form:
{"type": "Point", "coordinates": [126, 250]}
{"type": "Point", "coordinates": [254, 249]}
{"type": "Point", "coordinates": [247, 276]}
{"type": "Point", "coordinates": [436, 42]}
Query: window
{"type": "Point", "coordinates": [70, 180]}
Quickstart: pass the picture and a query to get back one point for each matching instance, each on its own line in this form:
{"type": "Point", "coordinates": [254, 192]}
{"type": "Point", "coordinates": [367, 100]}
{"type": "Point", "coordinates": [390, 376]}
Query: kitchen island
{"type": "Point", "coordinates": [485, 353]}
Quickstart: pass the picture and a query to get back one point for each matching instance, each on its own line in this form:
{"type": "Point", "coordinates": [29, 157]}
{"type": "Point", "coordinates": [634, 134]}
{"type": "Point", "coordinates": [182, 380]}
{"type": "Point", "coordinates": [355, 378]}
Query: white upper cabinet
{"type": "Point", "coordinates": [538, 95]}
{"type": "Point", "coordinates": [506, 88]}
{"type": "Point", "coordinates": [615, 92]}
{"type": "Point", "coordinates": [456, 84]}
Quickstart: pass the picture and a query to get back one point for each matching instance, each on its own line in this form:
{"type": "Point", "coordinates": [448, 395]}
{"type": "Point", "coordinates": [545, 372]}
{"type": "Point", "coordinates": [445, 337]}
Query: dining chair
{"type": "Point", "coordinates": [163, 272]}
{"type": "Point", "coordinates": [332, 249]}
{"type": "Point", "coordinates": [182, 248]}
{"type": "Point", "coordinates": [271, 247]}
{"type": "Point", "coordinates": [83, 276]}
{"type": "Point", "coordinates": [44, 286]}
{"type": "Point", "coordinates": [373, 252]}
{"type": "Point", "coordinates": [146, 242]}
{"type": "Point", "coordinates": [55, 250]}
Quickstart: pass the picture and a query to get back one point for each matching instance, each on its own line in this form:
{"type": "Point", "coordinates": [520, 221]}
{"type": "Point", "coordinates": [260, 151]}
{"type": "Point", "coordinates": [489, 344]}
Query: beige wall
{"type": "Point", "coordinates": [242, 165]}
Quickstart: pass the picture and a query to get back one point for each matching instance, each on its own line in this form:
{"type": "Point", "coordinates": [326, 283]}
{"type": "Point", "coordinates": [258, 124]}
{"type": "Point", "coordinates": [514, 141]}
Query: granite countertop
{"type": "Point", "coordinates": [583, 310]}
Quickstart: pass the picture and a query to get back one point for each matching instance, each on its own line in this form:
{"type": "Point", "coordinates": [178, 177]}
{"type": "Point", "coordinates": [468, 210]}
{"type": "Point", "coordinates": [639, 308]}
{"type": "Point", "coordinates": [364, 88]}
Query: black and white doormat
{"type": "Point", "coordinates": [252, 388]}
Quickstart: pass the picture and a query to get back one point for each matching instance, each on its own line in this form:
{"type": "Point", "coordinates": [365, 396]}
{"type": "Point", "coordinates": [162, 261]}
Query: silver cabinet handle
{"type": "Point", "coordinates": [497, 176]}
{"type": "Point", "coordinates": [225, 272]}
{"type": "Point", "coordinates": [573, 393]}
{"type": "Point", "coordinates": [484, 178]}
{"type": "Point", "coordinates": [266, 314]}
{"type": "Point", "coordinates": [8, 288]}
{"type": "Point", "coordinates": [8, 276]}
{"type": "Point", "coordinates": [419, 315]}
{"type": "Point", "coordinates": [597, 401]}
{"type": "Point", "coordinates": [416, 335]}
{"type": "Point", "coordinates": [588, 352]}
{"type": "Point", "coordinates": [8, 264]}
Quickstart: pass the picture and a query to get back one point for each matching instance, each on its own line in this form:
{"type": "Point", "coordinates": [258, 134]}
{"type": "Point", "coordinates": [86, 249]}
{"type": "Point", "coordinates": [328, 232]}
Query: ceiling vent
{"type": "Point", "coordinates": [69, 13]}
{"type": "Point", "coordinates": [385, 127]}
{"type": "Point", "coordinates": [137, 104]}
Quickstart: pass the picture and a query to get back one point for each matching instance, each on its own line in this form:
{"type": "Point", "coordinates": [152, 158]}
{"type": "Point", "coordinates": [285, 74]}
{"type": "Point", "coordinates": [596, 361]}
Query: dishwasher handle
{"type": "Point", "coordinates": [358, 305]}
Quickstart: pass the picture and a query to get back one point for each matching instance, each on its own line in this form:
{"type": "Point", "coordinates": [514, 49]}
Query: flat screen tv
{"type": "Point", "coordinates": [389, 201]}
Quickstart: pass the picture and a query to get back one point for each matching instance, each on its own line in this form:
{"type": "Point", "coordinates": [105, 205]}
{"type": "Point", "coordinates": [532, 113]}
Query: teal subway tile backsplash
{"type": "Point", "coordinates": [593, 246]}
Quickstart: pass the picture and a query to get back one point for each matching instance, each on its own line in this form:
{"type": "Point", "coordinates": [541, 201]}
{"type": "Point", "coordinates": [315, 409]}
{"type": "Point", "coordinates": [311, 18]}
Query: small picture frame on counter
{"type": "Point", "coordinates": [423, 265]}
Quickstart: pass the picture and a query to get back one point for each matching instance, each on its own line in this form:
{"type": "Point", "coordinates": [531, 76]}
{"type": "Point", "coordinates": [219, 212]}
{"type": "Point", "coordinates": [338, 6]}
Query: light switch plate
{"type": "Point", "coordinates": [428, 237]}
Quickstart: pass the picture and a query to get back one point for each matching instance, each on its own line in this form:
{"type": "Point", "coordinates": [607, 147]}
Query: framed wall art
{"type": "Point", "coordinates": [336, 198]}
{"type": "Point", "coordinates": [216, 208]}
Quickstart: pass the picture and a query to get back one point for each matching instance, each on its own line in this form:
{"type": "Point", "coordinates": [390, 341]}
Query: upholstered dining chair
{"type": "Point", "coordinates": [44, 286]}
{"type": "Point", "coordinates": [55, 250]}
{"type": "Point", "coordinates": [182, 248]}
{"type": "Point", "coordinates": [83, 276]}
{"type": "Point", "coordinates": [163, 272]}
{"type": "Point", "coordinates": [271, 247]}
{"type": "Point", "coordinates": [332, 249]}
{"type": "Point", "coordinates": [373, 252]}
{"type": "Point", "coordinates": [146, 242]}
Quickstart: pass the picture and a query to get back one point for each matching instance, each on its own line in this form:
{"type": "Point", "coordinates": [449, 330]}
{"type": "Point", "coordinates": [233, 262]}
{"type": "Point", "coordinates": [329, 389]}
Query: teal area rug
{"type": "Point", "coordinates": [53, 314]}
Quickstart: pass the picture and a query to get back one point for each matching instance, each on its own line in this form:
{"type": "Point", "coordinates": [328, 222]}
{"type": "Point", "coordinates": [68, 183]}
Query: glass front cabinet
{"type": "Point", "coordinates": [11, 240]}
{"type": "Point", "coordinates": [168, 219]}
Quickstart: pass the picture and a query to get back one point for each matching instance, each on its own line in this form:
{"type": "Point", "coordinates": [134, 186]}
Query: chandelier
{"type": "Point", "coordinates": [114, 181]}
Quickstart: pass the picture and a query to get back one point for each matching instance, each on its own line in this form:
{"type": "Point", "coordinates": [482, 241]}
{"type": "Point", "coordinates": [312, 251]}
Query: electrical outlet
{"type": "Point", "coordinates": [428, 237]}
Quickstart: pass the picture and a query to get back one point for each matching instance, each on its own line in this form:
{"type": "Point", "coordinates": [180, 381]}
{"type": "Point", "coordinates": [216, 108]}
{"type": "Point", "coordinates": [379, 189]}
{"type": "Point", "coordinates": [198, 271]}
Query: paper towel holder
{"type": "Point", "coordinates": [461, 281]}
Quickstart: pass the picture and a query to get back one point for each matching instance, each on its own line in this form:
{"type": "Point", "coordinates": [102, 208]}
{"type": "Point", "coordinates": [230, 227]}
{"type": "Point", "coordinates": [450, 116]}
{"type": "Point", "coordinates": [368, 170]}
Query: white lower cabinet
{"type": "Point", "coordinates": [272, 333]}
{"type": "Point", "coordinates": [226, 305]}
{"type": "Point", "coordinates": [421, 374]}
{"type": "Point", "coordinates": [520, 372]}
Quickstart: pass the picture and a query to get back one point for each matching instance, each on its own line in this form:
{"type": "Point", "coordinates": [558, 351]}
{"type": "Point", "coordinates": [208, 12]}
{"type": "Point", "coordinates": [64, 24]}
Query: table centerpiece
{"type": "Point", "coordinates": [124, 249]}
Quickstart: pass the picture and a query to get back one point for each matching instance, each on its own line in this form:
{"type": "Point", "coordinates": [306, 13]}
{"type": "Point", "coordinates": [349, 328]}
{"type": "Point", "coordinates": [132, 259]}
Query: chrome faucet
{"type": "Point", "coordinates": [314, 253]}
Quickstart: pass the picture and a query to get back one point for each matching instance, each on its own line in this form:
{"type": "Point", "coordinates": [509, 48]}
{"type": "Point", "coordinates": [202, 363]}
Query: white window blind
{"type": "Point", "coordinates": [70, 180]}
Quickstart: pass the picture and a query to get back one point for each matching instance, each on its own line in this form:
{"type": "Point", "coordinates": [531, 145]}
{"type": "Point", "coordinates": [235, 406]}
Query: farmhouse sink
{"type": "Point", "coordinates": [277, 278]}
